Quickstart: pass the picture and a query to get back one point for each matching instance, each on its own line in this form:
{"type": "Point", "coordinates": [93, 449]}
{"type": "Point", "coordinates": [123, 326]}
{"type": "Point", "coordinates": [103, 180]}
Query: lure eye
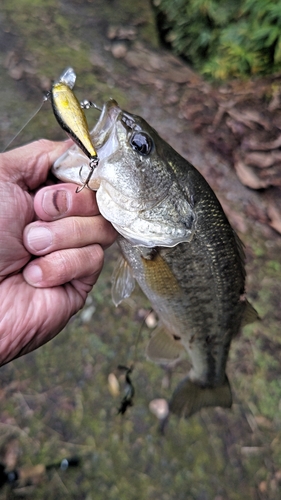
{"type": "Point", "coordinates": [142, 143]}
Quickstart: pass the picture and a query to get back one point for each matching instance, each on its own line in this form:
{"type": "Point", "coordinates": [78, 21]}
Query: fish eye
{"type": "Point", "coordinates": [142, 143]}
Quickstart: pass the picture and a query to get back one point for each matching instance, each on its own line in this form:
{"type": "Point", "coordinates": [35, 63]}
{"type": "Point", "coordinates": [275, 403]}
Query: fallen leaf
{"type": "Point", "coordinates": [274, 208]}
{"type": "Point", "coordinates": [248, 177]}
{"type": "Point", "coordinates": [262, 160]}
{"type": "Point", "coordinates": [254, 144]}
{"type": "Point", "coordinates": [159, 407]}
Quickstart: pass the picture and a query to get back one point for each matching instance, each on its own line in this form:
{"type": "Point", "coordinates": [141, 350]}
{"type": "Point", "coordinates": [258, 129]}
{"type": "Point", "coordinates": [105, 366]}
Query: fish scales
{"type": "Point", "coordinates": [179, 246]}
{"type": "Point", "coordinates": [206, 306]}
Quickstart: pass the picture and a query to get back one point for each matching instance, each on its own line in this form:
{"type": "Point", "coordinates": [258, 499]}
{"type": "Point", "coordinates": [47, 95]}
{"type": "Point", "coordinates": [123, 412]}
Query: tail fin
{"type": "Point", "coordinates": [189, 397]}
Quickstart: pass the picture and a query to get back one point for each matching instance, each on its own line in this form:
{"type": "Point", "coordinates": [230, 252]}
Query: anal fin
{"type": "Point", "coordinates": [163, 348]}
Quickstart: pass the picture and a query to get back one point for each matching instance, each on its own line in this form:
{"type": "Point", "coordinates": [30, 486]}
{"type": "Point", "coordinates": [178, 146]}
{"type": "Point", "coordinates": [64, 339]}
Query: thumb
{"type": "Point", "coordinates": [29, 165]}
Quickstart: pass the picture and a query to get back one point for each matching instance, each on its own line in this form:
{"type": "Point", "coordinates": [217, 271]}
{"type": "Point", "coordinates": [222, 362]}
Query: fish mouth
{"type": "Point", "coordinates": [103, 135]}
{"type": "Point", "coordinates": [113, 123]}
{"type": "Point", "coordinates": [105, 138]}
{"type": "Point", "coordinates": [73, 165]}
{"type": "Point", "coordinates": [125, 195]}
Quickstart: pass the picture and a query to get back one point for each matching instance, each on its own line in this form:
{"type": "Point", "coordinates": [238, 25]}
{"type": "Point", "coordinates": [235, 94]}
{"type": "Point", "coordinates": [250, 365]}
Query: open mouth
{"type": "Point", "coordinates": [73, 165]}
{"type": "Point", "coordinates": [104, 129]}
{"type": "Point", "coordinates": [125, 194]}
{"type": "Point", "coordinates": [113, 128]}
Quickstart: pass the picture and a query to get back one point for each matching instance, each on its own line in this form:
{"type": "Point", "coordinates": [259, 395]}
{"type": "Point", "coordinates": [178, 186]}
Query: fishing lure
{"type": "Point", "coordinates": [129, 392]}
{"type": "Point", "coordinates": [71, 117]}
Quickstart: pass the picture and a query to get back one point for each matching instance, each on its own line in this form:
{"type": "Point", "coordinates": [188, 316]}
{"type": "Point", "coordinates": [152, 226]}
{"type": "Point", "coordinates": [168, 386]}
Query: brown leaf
{"type": "Point", "coordinates": [249, 117]}
{"type": "Point", "coordinates": [191, 110]}
{"type": "Point", "coordinates": [274, 208]}
{"type": "Point", "coordinates": [257, 145]}
{"type": "Point", "coordinates": [262, 160]}
{"type": "Point", "coordinates": [248, 176]}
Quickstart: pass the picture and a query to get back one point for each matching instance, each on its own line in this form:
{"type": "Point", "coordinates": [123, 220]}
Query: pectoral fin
{"type": "Point", "coordinates": [189, 397]}
{"type": "Point", "coordinates": [163, 348]}
{"type": "Point", "coordinates": [123, 281]}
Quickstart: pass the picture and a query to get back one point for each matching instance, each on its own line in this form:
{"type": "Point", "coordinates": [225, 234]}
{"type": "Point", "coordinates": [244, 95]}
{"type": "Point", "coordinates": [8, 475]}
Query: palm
{"type": "Point", "coordinates": [25, 309]}
{"type": "Point", "coordinates": [34, 308]}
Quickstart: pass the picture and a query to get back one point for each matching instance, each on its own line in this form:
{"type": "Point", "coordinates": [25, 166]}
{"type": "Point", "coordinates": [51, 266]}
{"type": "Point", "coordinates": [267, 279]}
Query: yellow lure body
{"type": "Point", "coordinates": [71, 117]}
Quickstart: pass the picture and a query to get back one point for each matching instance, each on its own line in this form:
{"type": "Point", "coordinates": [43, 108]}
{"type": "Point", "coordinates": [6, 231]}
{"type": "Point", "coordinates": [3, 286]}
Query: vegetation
{"type": "Point", "coordinates": [224, 39]}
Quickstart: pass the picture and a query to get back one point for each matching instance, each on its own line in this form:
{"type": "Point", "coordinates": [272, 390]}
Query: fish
{"type": "Point", "coordinates": [71, 117]}
{"type": "Point", "coordinates": [179, 246]}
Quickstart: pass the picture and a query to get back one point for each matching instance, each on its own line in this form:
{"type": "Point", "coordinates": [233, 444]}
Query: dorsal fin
{"type": "Point", "coordinates": [250, 315]}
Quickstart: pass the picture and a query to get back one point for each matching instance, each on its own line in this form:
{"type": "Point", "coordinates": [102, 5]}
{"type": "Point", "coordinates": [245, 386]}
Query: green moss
{"type": "Point", "coordinates": [274, 266]}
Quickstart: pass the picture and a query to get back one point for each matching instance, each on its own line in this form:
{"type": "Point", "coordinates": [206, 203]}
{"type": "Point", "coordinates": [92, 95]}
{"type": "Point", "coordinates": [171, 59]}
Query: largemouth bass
{"type": "Point", "coordinates": [176, 242]}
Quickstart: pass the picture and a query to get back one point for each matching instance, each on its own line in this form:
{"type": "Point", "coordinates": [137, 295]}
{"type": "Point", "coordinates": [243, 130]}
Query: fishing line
{"type": "Point", "coordinates": [139, 334]}
{"type": "Point", "coordinates": [26, 123]}
{"type": "Point", "coordinates": [130, 389]}
{"type": "Point", "coordinates": [138, 338]}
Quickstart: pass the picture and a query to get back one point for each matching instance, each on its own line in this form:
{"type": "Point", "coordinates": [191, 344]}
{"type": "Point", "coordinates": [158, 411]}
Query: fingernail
{"type": "Point", "coordinates": [33, 274]}
{"type": "Point", "coordinates": [56, 202]}
{"type": "Point", "coordinates": [39, 238]}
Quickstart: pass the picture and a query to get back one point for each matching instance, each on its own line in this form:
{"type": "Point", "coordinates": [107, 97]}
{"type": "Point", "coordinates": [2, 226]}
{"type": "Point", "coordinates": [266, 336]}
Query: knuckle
{"type": "Point", "coordinates": [77, 228]}
{"type": "Point", "coordinates": [42, 143]}
{"type": "Point", "coordinates": [98, 256]}
{"type": "Point", "coordinates": [62, 266]}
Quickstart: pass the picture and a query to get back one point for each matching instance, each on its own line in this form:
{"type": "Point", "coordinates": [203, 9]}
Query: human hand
{"type": "Point", "coordinates": [39, 295]}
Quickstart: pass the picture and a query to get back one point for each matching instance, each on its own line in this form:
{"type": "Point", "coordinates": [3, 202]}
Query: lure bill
{"type": "Point", "coordinates": [71, 117]}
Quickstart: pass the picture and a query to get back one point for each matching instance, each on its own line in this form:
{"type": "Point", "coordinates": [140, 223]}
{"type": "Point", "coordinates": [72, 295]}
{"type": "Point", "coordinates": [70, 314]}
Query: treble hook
{"type": "Point", "coordinates": [92, 165]}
